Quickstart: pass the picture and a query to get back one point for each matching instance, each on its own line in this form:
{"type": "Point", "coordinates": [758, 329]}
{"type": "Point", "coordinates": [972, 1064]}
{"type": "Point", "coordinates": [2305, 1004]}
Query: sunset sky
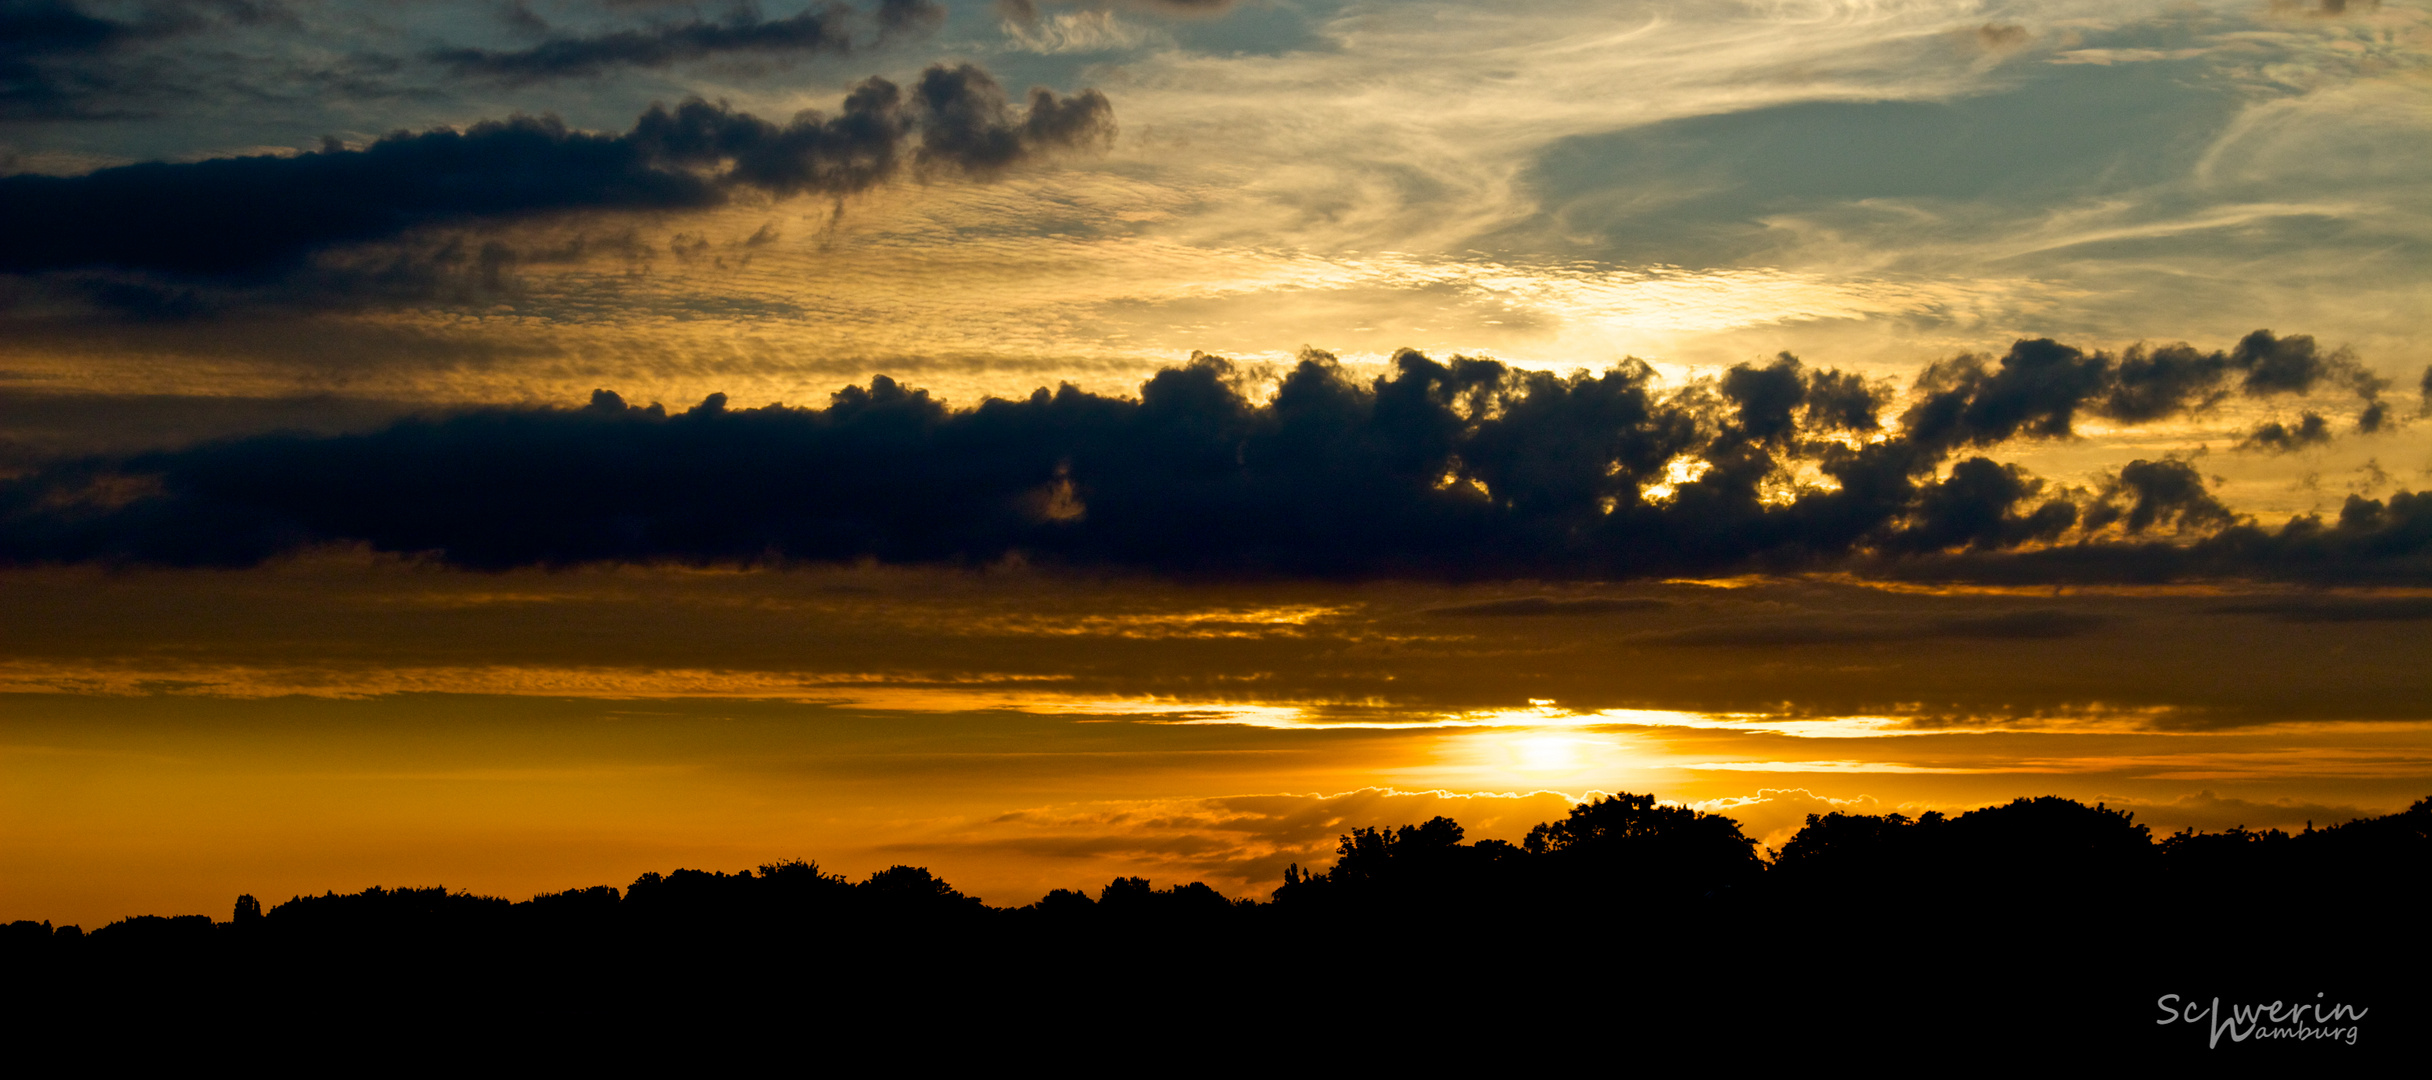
{"type": "Point", "coordinates": [518, 445]}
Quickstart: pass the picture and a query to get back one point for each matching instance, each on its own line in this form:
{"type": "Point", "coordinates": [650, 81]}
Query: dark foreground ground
{"type": "Point", "coordinates": [2043, 931]}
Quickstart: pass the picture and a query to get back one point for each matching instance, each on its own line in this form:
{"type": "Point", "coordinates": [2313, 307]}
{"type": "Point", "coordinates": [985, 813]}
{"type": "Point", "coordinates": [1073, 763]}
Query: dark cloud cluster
{"type": "Point", "coordinates": [54, 54]}
{"type": "Point", "coordinates": [81, 60]}
{"type": "Point", "coordinates": [258, 216]}
{"type": "Point", "coordinates": [2279, 438]}
{"type": "Point", "coordinates": [909, 18]}
{"type": "Point", "coordinates": [37, 27]}
{"type": "Point", "coordinates": [40, 44]}
{"type": "Point", "coordinates": [2041, 387]}
{"type": "Point", "coordinates": [824, 28]}
{"type": "Point", "coordinates": [1466, 469]}
{"type": "Point", "coordinates": [2149, 495]}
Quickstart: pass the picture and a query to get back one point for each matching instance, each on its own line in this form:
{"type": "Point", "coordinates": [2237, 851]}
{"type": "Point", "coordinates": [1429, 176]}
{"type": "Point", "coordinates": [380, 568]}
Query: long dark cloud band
{"type": "Point", "coordinates": [822, 28]}
{"type": "Point", "coordinates": [1466, 469]}
{"type": "Point", "coordinates": [238, 217]}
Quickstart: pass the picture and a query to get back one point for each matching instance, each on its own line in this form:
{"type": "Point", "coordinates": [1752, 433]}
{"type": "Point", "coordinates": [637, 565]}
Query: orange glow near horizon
{"type": "Point", "coordinates": [153, 804]}
{"type": "Point", "coordinates": [1873, 408]}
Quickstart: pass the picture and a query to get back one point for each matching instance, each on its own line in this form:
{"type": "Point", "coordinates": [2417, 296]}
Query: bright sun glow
{"type": "Point", "coordinates": [1547, 753]}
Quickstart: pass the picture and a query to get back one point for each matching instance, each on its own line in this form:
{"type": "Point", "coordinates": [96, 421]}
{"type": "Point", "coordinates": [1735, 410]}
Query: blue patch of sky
{"type": "Point", "coordinates": [1695, 191]}
{"type": "Point", "coordinates": [1258, 28]}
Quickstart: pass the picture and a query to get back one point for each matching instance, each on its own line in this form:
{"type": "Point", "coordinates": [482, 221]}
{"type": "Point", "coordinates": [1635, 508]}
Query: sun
{"type": "Point", "coordinates": [1546, 753]}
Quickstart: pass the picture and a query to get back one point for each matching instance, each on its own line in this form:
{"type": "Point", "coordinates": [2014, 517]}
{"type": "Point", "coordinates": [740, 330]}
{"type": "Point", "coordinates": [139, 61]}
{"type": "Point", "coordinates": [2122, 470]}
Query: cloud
{"type": "Point", "coordinates": [1773, 815]}
{"type": "Point", "coordinates": [1977, 507]}
{"type": "Point", "coordinates": [2335, 609]}
{"type": "Point", "coordinates": [48, 27]}
{"type": "Point", "coordinates": [2008, 626]}
{"type": "Point", "coordinates": [1017, 8]}
{"type": "Point", "coordinates": [40, 40]}
{"type": "Point", "coordinates": [2208, 812]}
{"type": "Point", "coordinates": [969, 126]}
{"type": "Point", "coordinates": [259, 216]}
{"type": "Point", "coordinates": [2149, 494]}
{"type": "Point", "coordinates": [2148, 385]}
{"type": "Point", "coordinates": [1240, 843]}
{"type": "Point", "coordinates": [823, 28]}
{"type": "Point", "coordinates": [1184, 7]}
{"type": "Point", "coordinates": [1072, 31]}
{"type": "Point", "coordinates": [1543, 606]}
{"type": "Point", "coordinates": [2278, 438]}
{"type": "Point", "coordinates": [2294, 365]}
{"type": "Point", "coordinates": [2324, 9]}
{"type": "Point", "coordinates": [2001, 37]}
{"type": "Point", "coordinates": [909, 18]}
{"type": "Point", "coordinates": [2040, 386]}
{"type": "Point", "coordinates": [59, 60]}
{"type": "Point", "coordinates": [1460, 470]}
{"type": "Point", "coordinates": [2020, 626]}
{"type": "Point", "coordinates": [2370, 541]}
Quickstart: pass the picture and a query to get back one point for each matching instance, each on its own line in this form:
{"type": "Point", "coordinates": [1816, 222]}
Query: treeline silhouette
{"type": "Point", "coordinates": [1936, 931]}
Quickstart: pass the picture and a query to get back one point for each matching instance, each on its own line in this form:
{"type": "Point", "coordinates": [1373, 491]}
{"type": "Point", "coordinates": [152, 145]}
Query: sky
{"type": "Point", "coordinates": [515, 446]}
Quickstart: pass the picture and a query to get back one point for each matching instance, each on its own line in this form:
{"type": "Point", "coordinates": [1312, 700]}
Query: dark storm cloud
{"type": "Point", "coordinates": [1766, 401]}
{"type": "Point", "coordinates": [824, 28]}
{"type": "Point", "coordinates": [2151, 494]}
{"type": "Point", "coordinates": [1978, 507]}
{"type": "Point", "coordinates": [257, 216]}
{"type": "Point", "coordinates": [1465, 469]}
{"type": "Point", "coordinates": [43, 425]}
{"type": "Point", "coordinates": [2370, 541]}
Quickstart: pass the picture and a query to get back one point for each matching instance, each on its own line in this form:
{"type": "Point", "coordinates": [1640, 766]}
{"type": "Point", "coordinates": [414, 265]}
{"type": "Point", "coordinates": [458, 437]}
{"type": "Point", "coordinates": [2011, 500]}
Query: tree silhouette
{"type": "Point", "coordinates": [1667, 913]}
